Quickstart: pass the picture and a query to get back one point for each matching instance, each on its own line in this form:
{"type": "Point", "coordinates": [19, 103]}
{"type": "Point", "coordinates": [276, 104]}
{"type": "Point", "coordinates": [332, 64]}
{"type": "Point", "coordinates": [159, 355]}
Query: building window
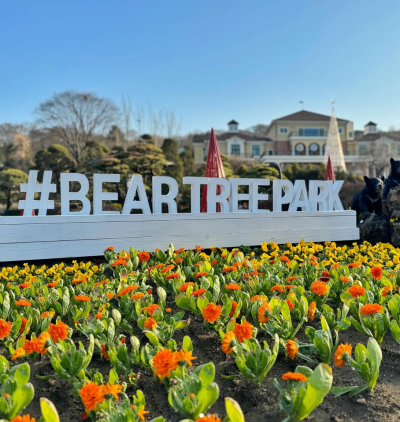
{"type": "Point", "coordinates": [310, 132]}
{"type": "Point", "coordinates": [313, 149]}
{"type": "Point", "coordinates": [270, 152]}
{"type": "Point", "coordinates": [350, 134]}
{"type": "Point", "coordinates": [235, 149]}
{"type": "Point", "coordinates": [283, 130]}
{"type": "Point", "coordinates": [299, 149]}
{"type": "Point", "coordinates": [341, 130]}
{"type": "Point", "coordinates": [323, 149]}
{"type": "Point", "coordinates": [362, 149]}
{"type": "Point", "coordinates": [255, 150]}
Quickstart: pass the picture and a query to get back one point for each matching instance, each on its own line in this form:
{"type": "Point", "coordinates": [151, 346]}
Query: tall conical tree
{"type": "Point", "coordinates": [334, 145]}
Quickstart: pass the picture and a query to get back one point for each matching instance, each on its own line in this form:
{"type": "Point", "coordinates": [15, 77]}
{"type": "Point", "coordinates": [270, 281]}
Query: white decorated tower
{"type": "Point", "coordinates": [334, 145]}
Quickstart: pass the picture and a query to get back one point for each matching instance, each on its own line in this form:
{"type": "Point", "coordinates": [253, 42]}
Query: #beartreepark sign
{"type": "Point", "coordinates": [313, 215]}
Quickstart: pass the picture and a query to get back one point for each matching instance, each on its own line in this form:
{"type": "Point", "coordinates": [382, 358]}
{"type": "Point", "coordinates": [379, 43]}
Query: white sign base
{"type": "Point", "coordinates": [50, 237]}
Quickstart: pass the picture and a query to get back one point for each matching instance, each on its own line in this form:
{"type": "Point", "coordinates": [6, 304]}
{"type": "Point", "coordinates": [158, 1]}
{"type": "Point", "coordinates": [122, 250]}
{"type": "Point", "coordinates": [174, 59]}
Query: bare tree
{"type": "Point", "coordinates": [156, 124]}
{"type": "Point", "coordinates": [139, 116]}
{"type": "Point", "coordinates": [259, 129]}
{"type": "Point", "coordinates": [127, 112]}
{"type": "Point", "coordinates": [172, 124]}
{"type": "Point", "coordinates": [77, 117]}
{"type": "Point", "coordinates": [8, 130]}
{"type": "Point", "coordinates": [380, 157]}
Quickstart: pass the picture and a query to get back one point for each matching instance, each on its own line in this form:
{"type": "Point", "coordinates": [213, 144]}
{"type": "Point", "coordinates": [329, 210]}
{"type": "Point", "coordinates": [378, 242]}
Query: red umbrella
{"type": "Point", "coordinates": [330, 174]}
{"type": "Point", "coordinates": [214, 168]}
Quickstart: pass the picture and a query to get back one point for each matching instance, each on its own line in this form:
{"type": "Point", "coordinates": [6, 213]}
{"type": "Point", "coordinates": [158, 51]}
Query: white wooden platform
{"type": "Point", "coordinates": [32, 238]}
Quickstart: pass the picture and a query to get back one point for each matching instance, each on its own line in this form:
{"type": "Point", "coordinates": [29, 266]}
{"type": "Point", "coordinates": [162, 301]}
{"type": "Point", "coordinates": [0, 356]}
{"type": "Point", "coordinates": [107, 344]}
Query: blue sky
{"type": "Point", "coordinates": [208, 60]}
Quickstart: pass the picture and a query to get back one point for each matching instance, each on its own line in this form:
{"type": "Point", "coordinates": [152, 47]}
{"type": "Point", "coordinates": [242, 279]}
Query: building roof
{"type": "Point", "coordinates": [233, 122]}
{"type": "Point", "coordinates": [308, 116]}
{"type": "Point", "coordinates": [374, 136]}
{"type": "Point", "coordinates": [243, 134]}
{"type": "Point", "coordinates": [371, 124]}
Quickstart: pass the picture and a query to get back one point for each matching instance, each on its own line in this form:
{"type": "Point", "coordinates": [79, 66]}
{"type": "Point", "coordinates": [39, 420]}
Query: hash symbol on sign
{"type": "Point", "coordinates": [30, 203]}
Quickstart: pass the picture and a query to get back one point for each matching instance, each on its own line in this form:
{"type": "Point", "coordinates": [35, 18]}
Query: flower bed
{"type": "Point", "coordinates": [185, 335]}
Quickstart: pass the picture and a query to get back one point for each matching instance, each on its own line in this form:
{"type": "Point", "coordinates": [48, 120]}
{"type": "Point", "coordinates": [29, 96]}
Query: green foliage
{"type": "Point", "coordinates": [187, 158]}
{"type": "Point", "coordinates": [94, 150]}
{"type": "Point", "coordinates": [10, 179]}
{"type": "Point", "coordinates": [299, 399]}
{"type": "Point", "coordinates": [55, 158]}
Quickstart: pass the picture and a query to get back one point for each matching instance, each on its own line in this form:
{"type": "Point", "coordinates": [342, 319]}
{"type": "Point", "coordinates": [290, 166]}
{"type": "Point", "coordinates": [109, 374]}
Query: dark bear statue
{"type": "Point", "coordinates": [393, 179]}
{"type": "Point", "coordinates": [369, 200]}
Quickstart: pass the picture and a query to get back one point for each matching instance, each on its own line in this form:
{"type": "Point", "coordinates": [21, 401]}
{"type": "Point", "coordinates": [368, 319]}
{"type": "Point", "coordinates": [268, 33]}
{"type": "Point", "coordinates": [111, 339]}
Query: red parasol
{"type": "Point", "coordinates": [330, 174]}
{"type": "Point", "coordinates": [214, 168]}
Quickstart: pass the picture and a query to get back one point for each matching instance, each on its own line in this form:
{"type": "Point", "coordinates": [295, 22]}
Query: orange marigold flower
{"type": "Point", "coordinates": [209, 418]}
{"type": "Point", "coordinates": [25, 418]}
{"type": "Point", "coordinates": [23, 302]}
{"type": "Point", "coordinates": [356, 291]}
{"type": "Point", "coordinates": [172, 275]}
{"type": "Point", "coordinates": [137, 296]}
{"type": "Point", "coordinates": [150, 291]}
{"type": "Point", "coordinates": [272, 261]}
{"type": "Point", "coordinates": [252, 274]}
{"type": "Point", "coordinates": [284, 258]}
{"type": "Point", "coordinates": [141, 413]}
{"type": "Point", "coordinates": [126, 290]}
{"type": "Point", "coordinates": [82, 298]}
{"type": "Point", "coordinates": [293, 277]}
{"type": "Point", "coordinates": [334, 266]}
{"type": "Point", "coordinates": [110, 295]}
{"type": "Point", "coordinates": [51, 284]}
{"type": "Point", "coordinates": [354, 265]}
{"type": "Point", "coordinates": [91, 396]}
{"type": "Point", "coordinates": [294, 376]}
{"type": "Point", "coordinates": [43, 340]}
{"type": "Point", "coordinates": [311, 311]}
{"type": "Point", "coordinates": [342, 354]}
{"type": "Point", "coordinates": [325, 273]}
{"type": "Point", "coordinates": [198, 292]}
{"type": "Point", "coordinates": [276, 289]}
{"type": "Point", "coordinates": [229, 269]}
{"type": "Point", "coordinates": [291, 348]}
{"type": "Point", "coordinates": [58, 331]}
{"type": "Point", "coordinates": [313, 262]}
{"type": "Point", "coordinates": [18, 353]}
{"type": "Point", "coordinates": [143, 256]}
{"type": "Point", "coordinates": [111, 390]}
{"type": "Point", "coordinates": [198, 275]}
{"type": "Point", "coordinates": [23, 285]}
{"type": "Point", "coordinates": [5, 328]}
{"type": "Point", "coordinates": [150, 309]}
{"type": "Point", "coordinates": [233, 286]}
{"type": "Point", "coordinates": [104, 352]}
{"type": "Point", "coordinates": [344, 279]}
{"type": "Point", "coordinates": [264, 312]}
{"type": "Point", "coordinates": [243, 331]}
{"type": "Point", "coordinates": [212, 312]}
{"type": "Point", "coordinates": [168, 310]}
{"type": "Point", "coordinates": [183, 287]}
{"type": "Point", "coordinates": [233, 309]}
{"type": "Point", "coordinates": [228, 342]}
{"type": "Point", "coordinates": [319, 288]}
{"type": "Point", "coordinates": [119, 261]}
{"type": "Point", "coordinates": [289, 286]}
{"type": "Point", "coordinates": [180, 250]}
{"type": "Point", "coordinates": [257, 297]}
{"type": "Point", "coordinates": [184, 357]}
{"type": "Point", "coordinates": [290, 304]}
{"type": "Point", "coordinates": [31, 346]}
{"type": "Point", "coordinates": [178, 260]}
{"type": "Point", "coordinates": [164, 362]}
{"type": "Point", "coordinates": [213, 262]}
{"type": "Point", "coordinates": [376, 273]}
{"type": "Point", "coordinates": [167, 268]}
{"type": "Point", "coordinates": [150, 323]}
{"type": "Point", "coordinates": [198, 248]}
{"type": "Point", "coordinates": [110, 248]}
{"type": "Point", "coordinates": [370, 309]}
{"type": "Point", "coordinates": [387, 289]}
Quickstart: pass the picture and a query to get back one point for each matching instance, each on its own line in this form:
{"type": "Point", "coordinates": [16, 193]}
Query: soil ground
{"type": "Point", "coordinates": [257, 403]}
